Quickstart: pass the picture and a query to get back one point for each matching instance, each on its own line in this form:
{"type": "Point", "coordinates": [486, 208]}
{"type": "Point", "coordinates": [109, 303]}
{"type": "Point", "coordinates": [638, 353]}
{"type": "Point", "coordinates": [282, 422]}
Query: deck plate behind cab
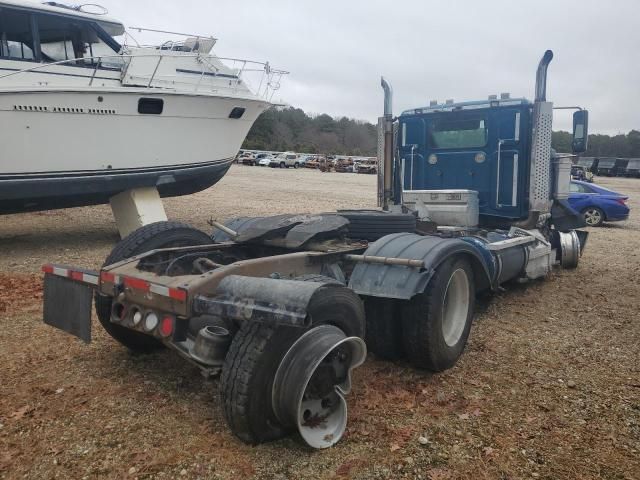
{"type": "Point", "coordinates": [294, 230]}
{"type": "Point", "coordinates": [67, 306]}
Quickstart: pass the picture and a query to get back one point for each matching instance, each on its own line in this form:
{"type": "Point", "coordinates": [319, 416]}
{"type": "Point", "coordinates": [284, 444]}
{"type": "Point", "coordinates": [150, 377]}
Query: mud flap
{"type": "Point", "coordinates": [583, 236]}
{"type": "Point", "coordinates": [67, 306]}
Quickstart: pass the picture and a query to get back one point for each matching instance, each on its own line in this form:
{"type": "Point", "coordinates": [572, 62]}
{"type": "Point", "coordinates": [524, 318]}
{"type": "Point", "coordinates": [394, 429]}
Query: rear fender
{"type": "Point", "coordinates": [392, 281]}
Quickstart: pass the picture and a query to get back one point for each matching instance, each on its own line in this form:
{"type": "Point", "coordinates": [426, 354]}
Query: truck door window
{"type": "Point", "coordinates": [458, 133]}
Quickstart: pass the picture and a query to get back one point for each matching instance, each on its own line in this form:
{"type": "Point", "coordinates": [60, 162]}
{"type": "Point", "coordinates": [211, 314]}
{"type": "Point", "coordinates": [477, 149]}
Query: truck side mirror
{"type": "Point", "coordinates": [580, 131]}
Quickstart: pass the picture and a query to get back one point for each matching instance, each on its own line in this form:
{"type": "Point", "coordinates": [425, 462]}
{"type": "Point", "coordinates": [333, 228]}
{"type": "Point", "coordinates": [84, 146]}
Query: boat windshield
{"type": "Point", "coordinates": [60, 38]}
{"type": "Point", "coordinates": [64, 39]}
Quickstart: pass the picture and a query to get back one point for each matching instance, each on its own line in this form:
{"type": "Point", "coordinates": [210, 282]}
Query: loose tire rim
{"type": "Point", "coordinates": [319, 411]}
{"type": "Point", "coordinates": [592, 217]}
{"type": "Point", "coordinates": [455, 307]}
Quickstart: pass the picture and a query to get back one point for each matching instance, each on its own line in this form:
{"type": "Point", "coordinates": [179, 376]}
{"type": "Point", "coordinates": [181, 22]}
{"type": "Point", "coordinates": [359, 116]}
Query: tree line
{"type": "Point", "coordinates": [282, 129]}
{"type": "Point", "coordinates": [621, 145]}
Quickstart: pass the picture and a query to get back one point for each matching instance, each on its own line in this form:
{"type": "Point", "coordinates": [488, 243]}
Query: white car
{"type": "Point", "coordinates": [285, 160]}
{"type": "Point", "coordinates": [265, 161]}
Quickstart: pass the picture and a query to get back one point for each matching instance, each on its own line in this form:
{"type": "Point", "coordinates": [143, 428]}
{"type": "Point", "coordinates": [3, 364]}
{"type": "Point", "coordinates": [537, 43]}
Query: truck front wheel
{"type": "Point", "coordinates": [436, 323]}
{"type": "Point", "coordinates": [147, 238]}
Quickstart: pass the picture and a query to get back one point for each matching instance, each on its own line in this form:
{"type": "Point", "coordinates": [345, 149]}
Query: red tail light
{"type": "Point", "coordinates": [622, 201]}
{"type": "Point", "coordinates": [166, 326]}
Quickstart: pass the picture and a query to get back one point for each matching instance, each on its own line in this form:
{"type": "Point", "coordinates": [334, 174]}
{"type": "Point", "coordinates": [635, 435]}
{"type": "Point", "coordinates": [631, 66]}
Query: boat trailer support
{"type": "Point", "coordinates": [136, 208]}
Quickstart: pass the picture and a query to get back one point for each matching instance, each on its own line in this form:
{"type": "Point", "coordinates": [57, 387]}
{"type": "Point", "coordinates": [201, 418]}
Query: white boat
{"type": "Point", "coordinates": [84, 116]}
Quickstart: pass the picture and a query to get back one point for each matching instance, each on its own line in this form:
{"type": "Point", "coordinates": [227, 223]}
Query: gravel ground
{"type": "Point", "coordinates": [549, 386]}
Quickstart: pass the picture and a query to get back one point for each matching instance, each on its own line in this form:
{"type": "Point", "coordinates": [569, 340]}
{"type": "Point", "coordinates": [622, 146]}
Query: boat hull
{"type": "Point", "coordinates": [51, 192]}
{"type": "Point", "coordinates": [61, 149]}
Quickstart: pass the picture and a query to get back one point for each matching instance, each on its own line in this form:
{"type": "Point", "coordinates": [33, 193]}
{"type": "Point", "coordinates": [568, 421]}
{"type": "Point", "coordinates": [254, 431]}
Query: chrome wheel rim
{"type": "Point", "coordinates": [455, 308]}
{"type": "Point", "coordinates": [592, 217]}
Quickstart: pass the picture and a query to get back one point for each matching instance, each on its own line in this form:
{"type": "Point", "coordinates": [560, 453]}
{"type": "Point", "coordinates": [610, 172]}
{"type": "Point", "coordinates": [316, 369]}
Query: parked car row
{"type": "Point", "coordinates": [611, 167]}
{"type": "Point", "coordinates": [321, 162]}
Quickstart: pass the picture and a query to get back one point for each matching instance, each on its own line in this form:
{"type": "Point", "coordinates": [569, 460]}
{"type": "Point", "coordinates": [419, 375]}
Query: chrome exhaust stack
{"type": "Point", "coordinates": [388, 97]}
{"type": "Point", "coordinates": [540, 175]}
{"type": "Point", "coordinates": [311, 382]}
{"type": "Point", "coordinates": [385, 148]}
{"type": "Point", "coordinates": [541, 76]}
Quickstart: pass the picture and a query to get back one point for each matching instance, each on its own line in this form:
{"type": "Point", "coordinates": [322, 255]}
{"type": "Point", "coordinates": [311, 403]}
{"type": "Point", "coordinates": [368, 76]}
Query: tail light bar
{"type": "Point", "coordinates": [94, 279]}
{"type": "Point", "coordinates": [84, 276]}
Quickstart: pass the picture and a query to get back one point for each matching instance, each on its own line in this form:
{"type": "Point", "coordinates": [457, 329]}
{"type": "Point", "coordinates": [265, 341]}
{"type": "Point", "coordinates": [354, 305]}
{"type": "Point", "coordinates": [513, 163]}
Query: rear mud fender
{"type": "Point", "coordinates": [392, 281]}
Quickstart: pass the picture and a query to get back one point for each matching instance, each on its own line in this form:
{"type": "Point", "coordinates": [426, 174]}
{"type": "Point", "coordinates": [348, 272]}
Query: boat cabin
{"type": "Point", "coordinates": [50, 32]}
{"type": "Point", "coordinates": [54, 45]}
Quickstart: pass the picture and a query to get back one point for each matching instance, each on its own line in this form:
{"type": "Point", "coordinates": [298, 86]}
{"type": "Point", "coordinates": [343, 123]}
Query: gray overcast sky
{"type": "Point", "coordinates": [428, 49]}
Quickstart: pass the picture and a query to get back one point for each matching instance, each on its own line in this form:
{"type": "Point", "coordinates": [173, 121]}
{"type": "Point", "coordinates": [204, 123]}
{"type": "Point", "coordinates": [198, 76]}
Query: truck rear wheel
{"type": "Point", "coordinates": [436, 323]}
{"type": "Point", "coordinates": [384, 329]}
{"type": "Point", "coordinates": [149, 237]}
{"type": "Point", "coordinates": [255, 354]}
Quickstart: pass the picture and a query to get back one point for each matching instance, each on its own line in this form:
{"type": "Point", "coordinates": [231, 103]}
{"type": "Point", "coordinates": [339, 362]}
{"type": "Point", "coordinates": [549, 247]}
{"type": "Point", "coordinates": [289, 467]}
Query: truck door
{"type": "Point", "coordinates": [509, 166]}
{"type": "Point", "coordinates": [412, 153]}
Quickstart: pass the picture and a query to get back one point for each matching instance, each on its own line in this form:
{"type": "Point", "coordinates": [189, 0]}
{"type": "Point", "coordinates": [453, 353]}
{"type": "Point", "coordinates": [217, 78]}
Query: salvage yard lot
{"type": "Point", "coordinates": [549, 386]}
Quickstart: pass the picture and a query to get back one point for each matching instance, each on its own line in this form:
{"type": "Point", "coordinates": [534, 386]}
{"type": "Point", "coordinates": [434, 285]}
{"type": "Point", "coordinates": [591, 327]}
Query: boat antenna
{"type": "Point", "coordinates": [101, 10]}
{"type": "Point", "coordinates": [80, 8]}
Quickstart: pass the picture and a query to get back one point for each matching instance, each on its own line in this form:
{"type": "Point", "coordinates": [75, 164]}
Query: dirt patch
{"type": "Point", "coordinates": [18, 291]}
{"type": "Point", "coordinates": [549, 386]}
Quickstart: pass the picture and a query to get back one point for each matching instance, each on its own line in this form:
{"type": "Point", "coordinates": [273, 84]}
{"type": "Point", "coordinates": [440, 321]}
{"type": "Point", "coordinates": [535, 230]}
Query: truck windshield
{"type": "Point", "coordinates": [458, 133]}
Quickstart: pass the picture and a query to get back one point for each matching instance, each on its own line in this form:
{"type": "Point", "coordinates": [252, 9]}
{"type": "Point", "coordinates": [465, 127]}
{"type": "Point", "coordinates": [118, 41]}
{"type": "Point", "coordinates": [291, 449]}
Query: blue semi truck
{"type": "Point", "coordinates": [283, 308]}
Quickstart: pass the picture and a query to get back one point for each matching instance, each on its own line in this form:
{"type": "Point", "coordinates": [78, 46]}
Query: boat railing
{"type": "Point", "coordinates": [189, 42]}
{"type": "Point", "coordinates": [267, 83]}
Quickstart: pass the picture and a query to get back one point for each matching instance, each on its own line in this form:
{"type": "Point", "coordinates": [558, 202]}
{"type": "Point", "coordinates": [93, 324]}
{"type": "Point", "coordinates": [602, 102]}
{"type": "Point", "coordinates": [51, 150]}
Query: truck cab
{"type": "Point", "coordinates": [490, 160]}
{"type": "Point", "coordinates": [481, 146]}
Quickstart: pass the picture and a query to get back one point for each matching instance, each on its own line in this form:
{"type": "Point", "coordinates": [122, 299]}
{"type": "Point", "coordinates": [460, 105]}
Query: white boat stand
{"type": "Point", "coordinates": [136, 208]}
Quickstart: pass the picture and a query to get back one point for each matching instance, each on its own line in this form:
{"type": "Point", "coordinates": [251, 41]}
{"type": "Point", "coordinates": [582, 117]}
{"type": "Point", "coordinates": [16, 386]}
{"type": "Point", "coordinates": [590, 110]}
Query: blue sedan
{"type": "Point", "coordinates": [598, 204]}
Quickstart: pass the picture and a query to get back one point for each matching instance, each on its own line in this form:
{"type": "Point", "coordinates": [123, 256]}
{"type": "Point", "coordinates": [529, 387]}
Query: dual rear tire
{"type": "Point", "coordinates": [255, 354]}
{"type": "Point", "coordinates": [431, 329]}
